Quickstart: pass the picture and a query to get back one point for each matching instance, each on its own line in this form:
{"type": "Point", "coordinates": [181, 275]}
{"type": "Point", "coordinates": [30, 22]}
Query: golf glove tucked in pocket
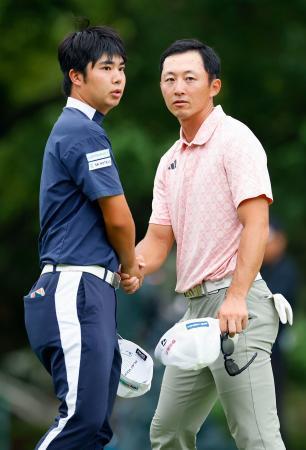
{"type": "Point", "coordinates": [283, 309]}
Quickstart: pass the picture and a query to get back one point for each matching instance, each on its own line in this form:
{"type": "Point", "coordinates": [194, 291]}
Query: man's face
{"type": "Point", "coordinates": [185, 86]}
{"type": "Point", "coordinates": [103, 86]}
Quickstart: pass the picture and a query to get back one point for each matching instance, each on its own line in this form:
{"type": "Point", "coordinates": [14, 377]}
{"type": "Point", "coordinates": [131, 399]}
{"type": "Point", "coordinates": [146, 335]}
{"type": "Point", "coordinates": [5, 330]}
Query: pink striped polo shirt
{"type": "Point", "coordinates": [197, 189]}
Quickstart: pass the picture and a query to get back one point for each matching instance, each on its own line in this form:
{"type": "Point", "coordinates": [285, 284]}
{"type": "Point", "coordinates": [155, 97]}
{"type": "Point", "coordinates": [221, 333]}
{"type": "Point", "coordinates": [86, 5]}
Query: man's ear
{"type": "Point", "coordinates": [76, 77]}
{"type": "Point", "coordinates": [215, 87]}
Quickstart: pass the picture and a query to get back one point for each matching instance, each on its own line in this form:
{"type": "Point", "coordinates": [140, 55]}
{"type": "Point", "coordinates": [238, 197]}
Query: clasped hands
{"type": "Point", "coordinates": [132, 277]}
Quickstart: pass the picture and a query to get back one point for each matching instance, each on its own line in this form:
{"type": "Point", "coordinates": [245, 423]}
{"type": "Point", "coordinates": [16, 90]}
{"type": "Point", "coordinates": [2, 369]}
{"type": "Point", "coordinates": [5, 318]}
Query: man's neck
{"type": "Point", "coordinates": [191, 125]}
{"type": "Point", "coordinates": [77, 96]}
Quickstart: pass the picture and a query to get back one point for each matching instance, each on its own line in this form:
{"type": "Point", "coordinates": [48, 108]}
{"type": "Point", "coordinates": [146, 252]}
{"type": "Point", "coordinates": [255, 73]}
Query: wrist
{"type": "Point", "coordinates": [129, 261]}
{"type": "Point", "coordinates": [237, 294]}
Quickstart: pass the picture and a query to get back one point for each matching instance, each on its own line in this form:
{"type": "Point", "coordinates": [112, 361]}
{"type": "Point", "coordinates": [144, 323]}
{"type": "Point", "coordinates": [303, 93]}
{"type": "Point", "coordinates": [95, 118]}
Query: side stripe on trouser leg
{"type": "Point", "coordinates": [70, 335]}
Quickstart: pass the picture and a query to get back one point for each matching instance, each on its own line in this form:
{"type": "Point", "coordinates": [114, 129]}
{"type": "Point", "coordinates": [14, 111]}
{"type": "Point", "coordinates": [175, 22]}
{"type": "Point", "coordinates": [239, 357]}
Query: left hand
{"type": "Point", "coordinates": [233, 315]}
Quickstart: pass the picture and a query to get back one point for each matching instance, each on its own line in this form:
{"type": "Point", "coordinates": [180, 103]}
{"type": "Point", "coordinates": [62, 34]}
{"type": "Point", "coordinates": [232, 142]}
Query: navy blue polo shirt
{"type": "Point", "coordinates": [78, 168]}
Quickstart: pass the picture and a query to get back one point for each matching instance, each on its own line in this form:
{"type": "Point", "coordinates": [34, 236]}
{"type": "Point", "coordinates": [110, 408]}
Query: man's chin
{"type": "Point", "coordinates": [114, 103]}
{"type": "Point", "coordinates": [111, 105]}
{"type": "Point", "coordinates": [181, 115]}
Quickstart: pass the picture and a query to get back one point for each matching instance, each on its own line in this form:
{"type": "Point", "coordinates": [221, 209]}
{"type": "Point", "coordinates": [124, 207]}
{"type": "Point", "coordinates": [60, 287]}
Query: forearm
{"type": "Point", "coordinates": [122, 239]}
{"type": "Point", "coordinates": [155, 247]}
{"type": "Point", "coordinates": [153, 257]}
{"type": "Point", "coordinates": [254, 217]}
{"type": "Point", "coordinates": [120, 228]}
{"type": "Point", "coordinates": [249, 259]}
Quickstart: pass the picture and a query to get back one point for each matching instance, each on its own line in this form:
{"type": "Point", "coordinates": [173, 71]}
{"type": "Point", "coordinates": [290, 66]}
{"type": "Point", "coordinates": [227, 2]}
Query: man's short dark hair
{"type": "Point", "coordinates": [211, 60]}
{"type": "Point", "coordinates": [87, 46]}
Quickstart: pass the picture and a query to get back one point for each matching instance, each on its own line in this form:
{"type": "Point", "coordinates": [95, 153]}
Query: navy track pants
{"type": "Point", "coordinates": [71, 325]}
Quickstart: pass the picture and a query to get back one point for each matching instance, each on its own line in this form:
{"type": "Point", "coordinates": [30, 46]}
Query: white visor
{"type": "Point", "coordinates": [136, 370]}
{"type": "Point", "coordinates": [190, 345]}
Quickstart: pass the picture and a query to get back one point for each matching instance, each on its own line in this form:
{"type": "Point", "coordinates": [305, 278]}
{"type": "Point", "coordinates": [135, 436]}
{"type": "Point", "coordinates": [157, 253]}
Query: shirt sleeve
{"type": "Point", "coordinates": [92, 166]}
{"type": "Point", "coordinates": [246, 168]}
{"type": "Point", "coordinates": [160, 211]}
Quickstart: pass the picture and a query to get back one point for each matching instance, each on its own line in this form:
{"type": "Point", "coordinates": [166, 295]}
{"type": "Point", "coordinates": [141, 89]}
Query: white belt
{"type": "Point", "coordinates": [112, 278]}
{"type": "Point", "coordinates": [209, 286]}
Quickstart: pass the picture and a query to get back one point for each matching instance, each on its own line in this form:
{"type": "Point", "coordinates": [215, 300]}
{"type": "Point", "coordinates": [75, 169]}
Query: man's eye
{"type": "Point", "coordinates": [106, 68]}
{"type": "Point", "coordinates": [167, 80]}
{"type": "Point", "coordinates": [190, 78]}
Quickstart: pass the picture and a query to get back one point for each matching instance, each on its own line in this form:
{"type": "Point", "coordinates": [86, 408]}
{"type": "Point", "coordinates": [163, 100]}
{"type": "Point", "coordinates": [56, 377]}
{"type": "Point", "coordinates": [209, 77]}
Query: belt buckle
{"type": "Point", "coordinates": [116, 280]}
{"type": "Point", "coordinates": [195, 292]}
{"type": "Point", "coordinates": [201, 289]}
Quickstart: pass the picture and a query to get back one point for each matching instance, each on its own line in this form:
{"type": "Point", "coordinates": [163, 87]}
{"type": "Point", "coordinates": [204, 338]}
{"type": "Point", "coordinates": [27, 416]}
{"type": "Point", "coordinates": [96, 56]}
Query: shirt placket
{"type": "Point", "coordinates": [184, 198]}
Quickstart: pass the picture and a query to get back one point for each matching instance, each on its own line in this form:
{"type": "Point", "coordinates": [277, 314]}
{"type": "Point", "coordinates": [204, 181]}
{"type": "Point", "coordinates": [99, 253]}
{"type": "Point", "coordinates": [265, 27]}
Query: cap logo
{"type": "Point", "coordinates": [191, 325]}
{"type": "Point", "coordinates": [167, 350]}
{"type": "Point", "coordinates": [126, 353]}
{"type": "Point", "coordinates": [130, 368]}
{"type": "Point", "coordinates": [141, 354]}
{"type": "Point", "coordinates": [163, 342]}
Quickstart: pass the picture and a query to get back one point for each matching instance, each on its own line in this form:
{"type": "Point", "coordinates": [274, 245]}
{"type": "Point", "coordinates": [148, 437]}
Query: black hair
{"type": "Point", "coordinates": [211, 60]}
{"type": "Point", "coordinates": [82, 47]}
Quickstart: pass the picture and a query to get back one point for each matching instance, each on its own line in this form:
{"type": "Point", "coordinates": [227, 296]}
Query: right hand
{"type": "Point", "coordinates": [233, 315]}
{"type": "Point", "coordinates": [132, 277]}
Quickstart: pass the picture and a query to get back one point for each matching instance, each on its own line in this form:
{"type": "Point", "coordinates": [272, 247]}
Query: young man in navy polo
{"type": "Point", "coordinates": [86, 230]}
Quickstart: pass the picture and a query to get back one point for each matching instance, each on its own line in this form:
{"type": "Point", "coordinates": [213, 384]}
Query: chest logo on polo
{"type": "Point", "coordinates": [99, 159]}
{"type": "Point", "coordinates": [172, 165]}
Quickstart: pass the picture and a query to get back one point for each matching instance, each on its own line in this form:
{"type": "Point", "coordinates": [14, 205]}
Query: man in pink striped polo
{"type": "Point", "coordinates": [211, 196]}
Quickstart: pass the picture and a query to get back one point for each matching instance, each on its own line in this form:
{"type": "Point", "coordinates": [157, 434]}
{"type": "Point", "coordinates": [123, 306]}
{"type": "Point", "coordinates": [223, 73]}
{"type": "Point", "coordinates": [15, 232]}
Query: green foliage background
{"type": "Point", "coordinates": [262, 48]}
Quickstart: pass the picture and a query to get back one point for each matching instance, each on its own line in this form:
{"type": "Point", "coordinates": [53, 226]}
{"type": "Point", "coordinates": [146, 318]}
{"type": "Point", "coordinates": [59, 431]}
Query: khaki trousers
{"type": "Point", "coordinates": [248, 399]}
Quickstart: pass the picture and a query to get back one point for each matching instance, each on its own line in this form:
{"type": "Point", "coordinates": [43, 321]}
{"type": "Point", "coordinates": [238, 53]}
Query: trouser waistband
{"type": "Point", "coordinates": [208, 286]}
{"type": "Point", "coordinates": [112, 278]}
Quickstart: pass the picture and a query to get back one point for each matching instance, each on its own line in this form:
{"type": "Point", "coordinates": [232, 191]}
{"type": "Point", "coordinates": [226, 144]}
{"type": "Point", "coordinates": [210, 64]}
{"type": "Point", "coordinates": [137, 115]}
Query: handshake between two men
{"type": "Point", "coordinates": [132, 281]}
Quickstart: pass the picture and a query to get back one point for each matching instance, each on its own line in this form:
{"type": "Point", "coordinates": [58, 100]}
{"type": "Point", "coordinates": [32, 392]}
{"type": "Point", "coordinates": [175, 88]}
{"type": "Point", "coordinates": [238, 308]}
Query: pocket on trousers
{"type": "Point", "coordinates": [42, 288]}
{"type": "Point", "coordinates": [81, 299]}
{"type": "Point", "coordinates": [261, 309]}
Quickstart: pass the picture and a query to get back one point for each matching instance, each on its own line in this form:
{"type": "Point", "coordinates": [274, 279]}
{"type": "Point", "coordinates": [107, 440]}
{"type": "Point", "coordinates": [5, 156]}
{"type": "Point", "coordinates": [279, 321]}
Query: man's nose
{"type": "Point", "coordinates": [179, 87]}
{"type": "Point", "coordinates": [118, 76]}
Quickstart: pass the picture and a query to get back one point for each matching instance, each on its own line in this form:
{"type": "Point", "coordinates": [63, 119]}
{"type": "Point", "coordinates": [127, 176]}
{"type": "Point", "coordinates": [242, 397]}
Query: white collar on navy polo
{"type": "Point", "coordinates": [81, 106]}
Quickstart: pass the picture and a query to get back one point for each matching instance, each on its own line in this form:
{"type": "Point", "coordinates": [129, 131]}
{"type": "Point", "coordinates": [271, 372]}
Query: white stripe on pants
{"type": "Point", "coordinates": [70, 335]}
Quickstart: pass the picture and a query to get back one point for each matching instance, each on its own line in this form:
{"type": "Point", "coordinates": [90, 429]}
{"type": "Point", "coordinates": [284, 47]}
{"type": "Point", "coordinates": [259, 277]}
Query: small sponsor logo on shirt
{"type": "Point", "coordinates": [172, 165]}
{"type": "Point", "coordinates": [99, 163]}
{"type": "Point", "coordinates": [93, 156]}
